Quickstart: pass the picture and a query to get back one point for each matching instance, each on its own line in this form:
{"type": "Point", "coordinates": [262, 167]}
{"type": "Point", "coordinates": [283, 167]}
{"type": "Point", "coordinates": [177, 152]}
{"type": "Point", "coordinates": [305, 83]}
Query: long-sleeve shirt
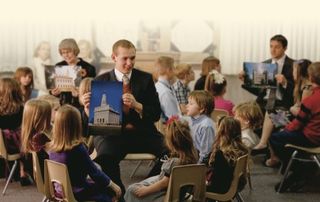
{"type": "Point", "coordinates": [308, 118]}
{"type": "Point", "coordinates": [79, 166]}
{"type": "Point", "coordinates": [202, 131]}
{"type": "Point", "coordinates": [168, 101]}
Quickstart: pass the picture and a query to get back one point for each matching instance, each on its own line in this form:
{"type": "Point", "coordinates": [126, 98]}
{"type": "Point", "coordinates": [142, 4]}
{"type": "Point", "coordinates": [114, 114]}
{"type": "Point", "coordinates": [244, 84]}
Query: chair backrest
{"type": "Point", "coordinates": [239, 170]}
{"type": "Point", "coordinates": [58, 181]}
{"type": "Point", "coordinates": [217, 113]}
{"type": "Point", "coordinates": [37, 174]}
{"type": "Point", "coordinates": [3, 150]}
{"type": "Point", "coordinates": [193, 174]}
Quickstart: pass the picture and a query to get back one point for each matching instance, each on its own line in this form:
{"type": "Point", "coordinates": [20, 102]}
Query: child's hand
{"type": "Point", "coordinates": [116, 189]}
{"type": "Point", "coordinates": [86, 102]}
{"type": "Point", "coordinates": [141, 191]}
{"type": "Point", "coordinates": [56, 91]}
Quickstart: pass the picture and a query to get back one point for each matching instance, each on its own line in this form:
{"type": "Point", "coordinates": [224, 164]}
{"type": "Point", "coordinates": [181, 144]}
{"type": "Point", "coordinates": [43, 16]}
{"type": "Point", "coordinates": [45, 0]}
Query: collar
{"type": "Point", "coordinates": [197, 118]}
{"type": "Point", "coordinates": [164, 82]}
{"type": "Point", "coordinates": [119, 75]}
{"type": "Point", "coordinates": [280, 61]}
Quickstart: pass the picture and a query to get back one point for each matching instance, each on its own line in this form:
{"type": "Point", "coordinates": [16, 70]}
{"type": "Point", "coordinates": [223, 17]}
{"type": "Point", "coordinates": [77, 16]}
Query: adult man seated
{"type": "Point", "coordinates": [141, 109]}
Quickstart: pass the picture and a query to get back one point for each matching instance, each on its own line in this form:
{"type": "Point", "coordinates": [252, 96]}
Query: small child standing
{"type": "Point", "coordinates": [180, 144]}
{"type": "Point", "coordinates": [250, 117]}
{"type": "Point", "coordinates": [24, 77]}
{"type": "Point", "coordinates": [227, 148]}
{"type": "Point", "coordinates": [199, 108]}
{"type": "Point", "coordinates": [68, 148]}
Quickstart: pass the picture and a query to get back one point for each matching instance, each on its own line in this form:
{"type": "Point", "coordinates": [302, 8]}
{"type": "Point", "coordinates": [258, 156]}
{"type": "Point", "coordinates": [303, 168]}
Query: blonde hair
{"type": "Point", "coordinates": [84, 87]}
{"type": "Point", "coordinates": [179, 141]}
{"type": "Point", "coordinates": [26, 90]}
{"type": "Point", "coordinates": [10, 96]}
{"type": "Point", "coordinates": [301, 67]}
{"type": "Point", "coordinates": [314, 72]}
{"type": "Point", "coordinates": [52, 100]}
{"type": "Point", "coordinates": [69, 44]}
{"type": "Point", "coordinates": [67, 129]}
{"type": "Point", "coordinates": [204, 100]}
{"type": "Point", "coordinates": [164, 63]}
{"type": "Point", "coordinates": [36, 119]}
{"type": "Point", "coordinates": [182, 70]}
{"type": "Point", "coordinates": [208, 64]}
{"type": "Point", "coordinates": [251, 112]}
{"type": "Point", "coordinates": [228, 140]}
{"type": "Point", "coordinates": [122, 43]}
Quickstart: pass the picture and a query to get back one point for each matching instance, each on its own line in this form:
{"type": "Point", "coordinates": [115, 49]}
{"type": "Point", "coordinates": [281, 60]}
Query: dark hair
{"type": "Point", "coordinates": [280, 38]}
{"type": "Point", "coordinates": [314, 72]}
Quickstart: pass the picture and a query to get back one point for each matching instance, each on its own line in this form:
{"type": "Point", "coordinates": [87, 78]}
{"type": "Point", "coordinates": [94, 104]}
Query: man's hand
{"type": "Point", "coordinates": [130, 101]}
{"type": "Point", "coordinates": [241, 75]}
{"type": "Point", "coordinates": [281, 79]}
{"type": "Point", "coordinates": [86, 102]}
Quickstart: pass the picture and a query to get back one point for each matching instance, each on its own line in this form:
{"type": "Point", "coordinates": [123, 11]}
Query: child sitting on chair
{"type": "Point", "coordinates": [250, 117]}
{"type": "Point", "coordinates": [227, 148]}
{"type": "Point", "coordinates": [216, 83]}
{"type": "Point", "coordinates": [199, 108]}
{"type": "Point", "coordinates": [36, 129]}
{"type": "Point", "coordinates": [68, 148]}
{"type": "Point", "coordinates": [179, 142]}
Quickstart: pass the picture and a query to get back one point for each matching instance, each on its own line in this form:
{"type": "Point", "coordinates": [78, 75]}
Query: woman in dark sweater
{"type": "Point", "coordinates": [69, 51]}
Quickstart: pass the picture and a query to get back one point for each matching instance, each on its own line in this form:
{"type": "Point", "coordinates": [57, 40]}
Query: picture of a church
{"type": "Point", "coordinates": [105, 114]}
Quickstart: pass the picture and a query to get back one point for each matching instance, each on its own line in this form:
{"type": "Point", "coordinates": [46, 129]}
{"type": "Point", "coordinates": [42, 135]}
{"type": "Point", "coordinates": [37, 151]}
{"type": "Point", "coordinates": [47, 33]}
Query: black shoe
{"type": "Point", "coordinates": [25, 181]}
{"type": "Point", "coordinates": [255, 152]}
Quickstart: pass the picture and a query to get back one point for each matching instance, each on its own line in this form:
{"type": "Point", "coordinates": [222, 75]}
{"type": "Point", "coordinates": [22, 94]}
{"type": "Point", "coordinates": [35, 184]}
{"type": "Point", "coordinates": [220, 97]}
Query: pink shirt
{"type": "Point", "coordinates": [220, 103]}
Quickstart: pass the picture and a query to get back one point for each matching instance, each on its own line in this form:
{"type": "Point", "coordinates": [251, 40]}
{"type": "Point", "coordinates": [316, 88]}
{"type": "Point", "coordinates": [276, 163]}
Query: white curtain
{"type": "Point", "coordinates": [249, 41]}
{"type": "Point", "coordinates": [234, 41]}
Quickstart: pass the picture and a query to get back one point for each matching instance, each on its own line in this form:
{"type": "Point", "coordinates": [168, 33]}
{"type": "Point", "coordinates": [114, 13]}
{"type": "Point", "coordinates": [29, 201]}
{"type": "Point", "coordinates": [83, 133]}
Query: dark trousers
{"type": "Point", "coordinates": [280, 139]}
{"type": "Point", "coordinates": [112, 149]}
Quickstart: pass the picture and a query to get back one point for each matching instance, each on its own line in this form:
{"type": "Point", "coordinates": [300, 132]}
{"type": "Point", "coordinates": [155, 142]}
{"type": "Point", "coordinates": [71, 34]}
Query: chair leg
{"type": "Point", "coordinates": [10, 176]}
{"type": "Point", "coordinates": [287, 170]}
{"type": "Point", "coordinates": [239, 197]}
{"type": "Point", "coordinates": [135, 169]}
{"type": "Point", "coordinates": [316, 160]}
{"type": "Point", "coordinates": [249, 179]}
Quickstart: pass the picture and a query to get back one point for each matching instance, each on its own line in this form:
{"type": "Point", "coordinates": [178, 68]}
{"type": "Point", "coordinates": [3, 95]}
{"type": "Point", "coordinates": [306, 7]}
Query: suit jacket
{"type": "Point", "coordinates": [143, 89]}
{"type": "Point", "coordinates": [287, 93]}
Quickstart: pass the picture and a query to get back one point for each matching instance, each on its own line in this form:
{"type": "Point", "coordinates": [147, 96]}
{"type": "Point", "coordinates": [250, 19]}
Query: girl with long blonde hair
{"type": "Point", "coordinates": [67, 147]}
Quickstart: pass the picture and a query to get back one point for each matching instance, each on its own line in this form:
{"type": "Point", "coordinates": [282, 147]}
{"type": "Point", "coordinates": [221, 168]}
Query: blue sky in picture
{"type": "Point", "coordinates": [112, 89]}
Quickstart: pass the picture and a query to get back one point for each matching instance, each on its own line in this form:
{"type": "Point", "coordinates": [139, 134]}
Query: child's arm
{"type": "Point", "coordinates": [206, 138]}
{"type": "Point", "coordinates": [156, 187]}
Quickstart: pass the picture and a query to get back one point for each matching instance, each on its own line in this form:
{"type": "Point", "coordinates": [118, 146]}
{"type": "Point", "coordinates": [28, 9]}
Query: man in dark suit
{"type": "Point", "coordinates": [284, 92]}
{"type": "Point", "coordinates": [282, 96]}
{"type": "Point", "coordinates": [141, 109]}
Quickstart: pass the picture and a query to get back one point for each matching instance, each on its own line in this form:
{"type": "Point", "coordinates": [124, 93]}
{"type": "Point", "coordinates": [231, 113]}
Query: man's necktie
{"type": "Point", "coordinates": [126, 89]}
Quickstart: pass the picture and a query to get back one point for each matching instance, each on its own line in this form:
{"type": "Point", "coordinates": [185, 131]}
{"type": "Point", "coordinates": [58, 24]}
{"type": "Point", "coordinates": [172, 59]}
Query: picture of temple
{"type": "Point", "coordinates": [105, 114]}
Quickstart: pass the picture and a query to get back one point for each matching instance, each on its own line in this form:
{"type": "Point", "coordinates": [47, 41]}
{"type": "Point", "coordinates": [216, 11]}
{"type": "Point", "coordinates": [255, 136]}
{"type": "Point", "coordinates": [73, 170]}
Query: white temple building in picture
{"type": "Point", "coordinates": [105, 114]}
